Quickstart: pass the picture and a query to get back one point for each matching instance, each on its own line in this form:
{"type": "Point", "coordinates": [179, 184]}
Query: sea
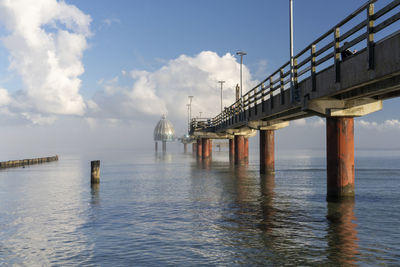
{"type": "Point", "coordinates": [169, 209]}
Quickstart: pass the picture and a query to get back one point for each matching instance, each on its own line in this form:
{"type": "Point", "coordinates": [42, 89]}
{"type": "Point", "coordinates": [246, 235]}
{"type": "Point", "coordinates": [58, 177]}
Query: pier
{"type": "Point", "coordinates": [323, 83]}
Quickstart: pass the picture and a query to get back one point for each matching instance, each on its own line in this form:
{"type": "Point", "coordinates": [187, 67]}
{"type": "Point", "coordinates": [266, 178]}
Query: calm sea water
{"type": "Point", "coordinates": [170, 210]}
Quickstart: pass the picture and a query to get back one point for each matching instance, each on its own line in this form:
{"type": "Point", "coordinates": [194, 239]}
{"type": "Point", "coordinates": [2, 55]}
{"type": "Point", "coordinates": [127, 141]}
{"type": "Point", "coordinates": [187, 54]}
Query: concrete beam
{"type": "Point", "coordinates": [268, 125]}
{"type": "Point", "coordinates": [344, 108]}
{"type": "Point", "coordinates": [245, 131]}
{"type": "Point", "coordinates": [212, 135]}
{"type": "Point", "coordinates": [356, 111]}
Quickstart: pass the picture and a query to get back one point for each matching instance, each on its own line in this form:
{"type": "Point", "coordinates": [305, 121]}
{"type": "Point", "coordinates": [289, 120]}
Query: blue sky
{"type": "Point", "coordinates": [123, 63]}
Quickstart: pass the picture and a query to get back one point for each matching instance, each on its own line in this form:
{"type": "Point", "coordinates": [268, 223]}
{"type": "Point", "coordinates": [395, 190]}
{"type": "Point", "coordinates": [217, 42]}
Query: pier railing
{"type": "Point", "coordinates": [317, 55]}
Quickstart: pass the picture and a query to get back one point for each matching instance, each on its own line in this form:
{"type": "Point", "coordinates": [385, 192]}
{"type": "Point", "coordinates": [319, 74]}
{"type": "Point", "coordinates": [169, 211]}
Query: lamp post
{"type": "Point", "coordinates": [221, 82]}
{"type": "Point", "coordinates": [241, 54]}
{"type": "Point", "coordinates": [200, 114]}
{"type": "Point", "coordinates": [190, 107]}
{"type": "Point", "coordinates": [292, 95]}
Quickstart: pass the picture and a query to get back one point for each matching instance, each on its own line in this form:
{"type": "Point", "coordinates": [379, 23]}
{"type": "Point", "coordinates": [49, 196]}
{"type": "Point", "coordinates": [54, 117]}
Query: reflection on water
{"type": "Point", "coordinates": [95, 188]}
{"type": "Point", "coordinates": [342, 233]}
{"type": "Point", "coordinates": [169, 209]}
{"type": "Point", "coordinates": [283, 228]}
{"type": "Point", "coordinates": [267, 184]}
{"type": "Point", "coordinates": [165, 157]}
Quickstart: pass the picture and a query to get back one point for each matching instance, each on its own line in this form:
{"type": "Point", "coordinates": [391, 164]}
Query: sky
{"type": "Point", "coordinates": [87, 74]}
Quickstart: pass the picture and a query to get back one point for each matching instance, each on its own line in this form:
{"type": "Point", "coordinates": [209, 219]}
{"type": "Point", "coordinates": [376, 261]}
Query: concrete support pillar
{"type": "Point", "coordinates": [185, 148]}
{"type": "Point", "coordinates": [210, 146]}
{"type": "Point", "coordinates": [199, 148]}
{"type": "Point", "coordinates": [156, 146]}
{"type": "Point", "coordinates": [231, 150]}
{"type": "Point", "coordinates": [340, 157]}
{"type": "Point", "coordinates": [164, 146]}
{"type": "Point", "coordinates": [246, 150]}
{"type": "Point", "coordinates": [194, 148]}
{"type": "Point", "coordinates": [206, 148]}
{"type": "Point", "coordinates": [239, 150]}
{"type": "Point", "coordinates": [267, 151]}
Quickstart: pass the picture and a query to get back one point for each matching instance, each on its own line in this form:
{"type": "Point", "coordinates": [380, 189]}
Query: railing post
{"type": "Point", "coordinates": [337, 54]}
{"type": "Point", "coordinates": [245, 104]}
{"type": "Point", "coordinates": [370, 37]}
{"type": "Point", "coordinates": [255, 101]}
{"type": "Point", "coordinates": [262, 97]}
{"type": "Point", "coordinates": [295, 81]}
{"type": "Point", "coordinates": [282, 87]}
{"type": "Point", "coordinates": [248, 103]}
{"type": "Point", "coordinates": [271, 99]}
{"type": "Point", "coordinates": [313, 68]}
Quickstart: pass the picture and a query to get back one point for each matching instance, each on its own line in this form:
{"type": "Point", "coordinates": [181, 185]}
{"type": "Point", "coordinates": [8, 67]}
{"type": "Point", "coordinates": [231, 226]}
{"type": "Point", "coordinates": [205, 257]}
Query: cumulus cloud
{"type": "Point", "coordinates": [38, 119]}
{"type": "Point", "coordinates": [5, 98]}
{"type": "Point", "coordinates": [313, 122]}
{"type": "Point", "coordinates": [166, 90]}
{"type": "Point", "coordinates": [46, 40]}
{"type": "Point", "coordinates": [386, 125]}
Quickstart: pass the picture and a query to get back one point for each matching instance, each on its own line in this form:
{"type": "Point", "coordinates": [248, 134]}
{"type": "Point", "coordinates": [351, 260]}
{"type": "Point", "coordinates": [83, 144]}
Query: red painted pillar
{"type": "Point", "coordinates": [267, 151]}
{"type": "Point", "coordinates": [340, 157]}
{"type": "Point", "coordinates": [246, 150]}
{"type": "Point", "coordinates": [199, 149]}
{"type": "Point", "coordinates": [210, 146]}
{"type": "Point", "coordinates": [206, 148]}
{"type": "Point", "coordinates": [239, 149]}
{"type": "Point", "coordinates": [231, 149]}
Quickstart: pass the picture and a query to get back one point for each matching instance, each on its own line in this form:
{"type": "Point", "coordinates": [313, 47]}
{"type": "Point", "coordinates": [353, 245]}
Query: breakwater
{"type": "Point", "coordinates": [25, 162]}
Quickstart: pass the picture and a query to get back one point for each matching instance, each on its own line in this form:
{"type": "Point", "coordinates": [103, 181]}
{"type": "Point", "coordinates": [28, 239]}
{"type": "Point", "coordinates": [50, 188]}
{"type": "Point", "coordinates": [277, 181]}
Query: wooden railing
{"type": "Point", "coordinates": [315, 55]}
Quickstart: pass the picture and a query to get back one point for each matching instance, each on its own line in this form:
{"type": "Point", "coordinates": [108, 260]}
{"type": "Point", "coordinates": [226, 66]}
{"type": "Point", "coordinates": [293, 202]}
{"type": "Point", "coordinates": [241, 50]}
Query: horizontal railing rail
{"type": "Point", "coordinates": [279, 81]}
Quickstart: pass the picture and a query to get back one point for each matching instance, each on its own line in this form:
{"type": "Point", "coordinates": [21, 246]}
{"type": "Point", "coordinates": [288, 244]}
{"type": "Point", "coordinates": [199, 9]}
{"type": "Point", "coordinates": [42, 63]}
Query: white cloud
{"type": "Point", "coordinates": [261, 71]}
{"type": "Point", "coordinates": [4, 97]}
{"type": "Point", "coordinates": [39, 119]}
{"type": "Point", "coordinates": [166, 90]}
{"type": "Point", "coordinates": [299, 122]}
{"type": "Point", "coordinates": [46, 41]}
{"type": "Point", "coordinates": [109, 21]}
{"type": "Point", "coordinates": [309, 122]}
{"type": "Point", "coordinates": [386, 125]}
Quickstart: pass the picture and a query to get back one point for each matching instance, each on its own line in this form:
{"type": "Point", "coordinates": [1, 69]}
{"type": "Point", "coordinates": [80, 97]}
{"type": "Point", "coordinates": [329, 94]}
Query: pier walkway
{"type": "Point", "coordinates": [321, 83]}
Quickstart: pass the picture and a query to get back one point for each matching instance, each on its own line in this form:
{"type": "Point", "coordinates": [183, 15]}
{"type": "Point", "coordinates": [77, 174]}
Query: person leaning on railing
{"type": "Point", "coordinates": [347, 53]}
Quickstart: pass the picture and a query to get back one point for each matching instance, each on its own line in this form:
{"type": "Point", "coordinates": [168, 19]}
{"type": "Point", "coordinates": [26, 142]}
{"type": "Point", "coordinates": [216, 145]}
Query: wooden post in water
{"type": "Point", "coordinates": [95, 172]}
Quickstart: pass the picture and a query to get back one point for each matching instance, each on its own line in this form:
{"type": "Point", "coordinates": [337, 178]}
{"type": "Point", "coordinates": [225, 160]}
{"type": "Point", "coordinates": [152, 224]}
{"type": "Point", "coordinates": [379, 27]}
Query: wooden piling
{"type": "Point", "coordinates": [25, 162]}
{"type": "Point", "coordinates": [95, 172]}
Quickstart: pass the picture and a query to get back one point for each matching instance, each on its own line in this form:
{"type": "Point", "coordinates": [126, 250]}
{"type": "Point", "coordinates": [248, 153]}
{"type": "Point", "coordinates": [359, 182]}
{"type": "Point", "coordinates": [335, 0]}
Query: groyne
{"type": "Point", "coordinates": [25, 162]}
